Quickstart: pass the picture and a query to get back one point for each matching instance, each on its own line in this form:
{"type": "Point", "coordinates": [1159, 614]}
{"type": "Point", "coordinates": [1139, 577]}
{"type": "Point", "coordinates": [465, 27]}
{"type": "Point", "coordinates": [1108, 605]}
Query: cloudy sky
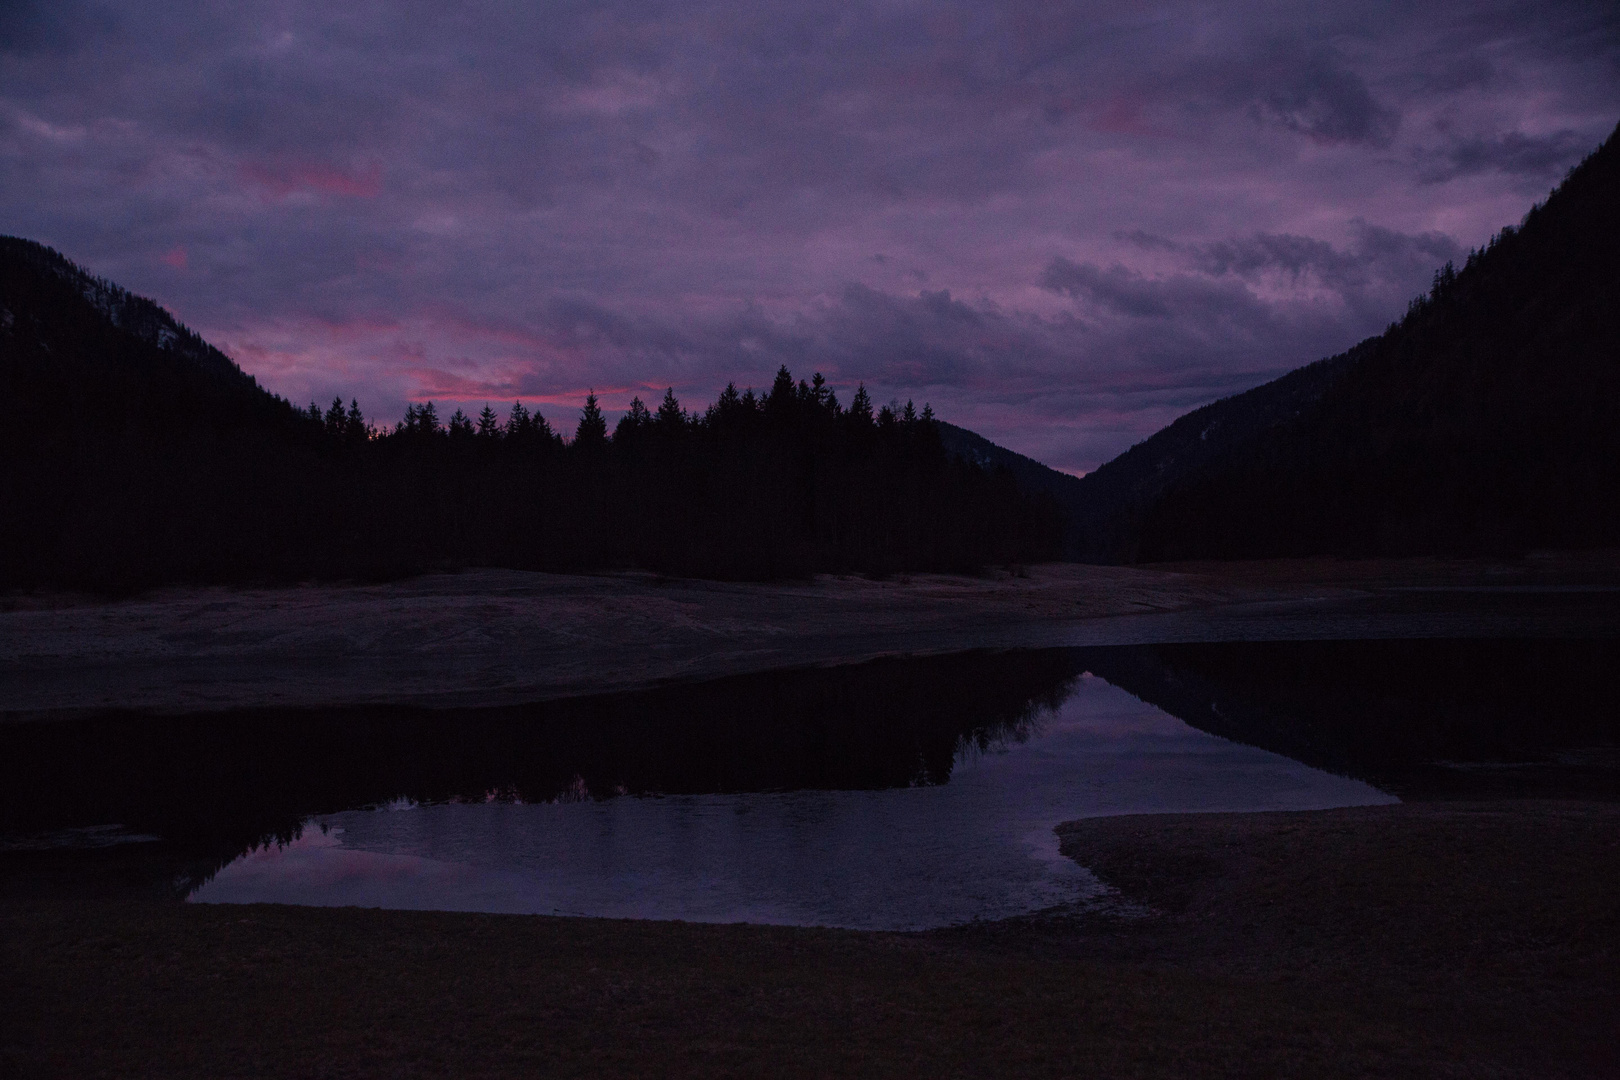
{"type": "Point", "coordinates": [1063, 224]}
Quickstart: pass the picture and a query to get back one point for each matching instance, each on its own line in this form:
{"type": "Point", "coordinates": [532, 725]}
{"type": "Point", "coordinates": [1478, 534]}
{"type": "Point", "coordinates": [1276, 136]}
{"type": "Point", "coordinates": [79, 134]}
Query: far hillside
{"type": "Point", "coordinates": [1486, 421]}
{"type": "Point", "coordinates": [1061, 490]}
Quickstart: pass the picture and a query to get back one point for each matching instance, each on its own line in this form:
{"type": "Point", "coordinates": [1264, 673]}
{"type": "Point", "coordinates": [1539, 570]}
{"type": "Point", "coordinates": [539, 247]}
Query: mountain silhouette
{"type": "Point", "coordinates": [1034, 478]}
{"type": "Point", "coordinates": [1487, 420]}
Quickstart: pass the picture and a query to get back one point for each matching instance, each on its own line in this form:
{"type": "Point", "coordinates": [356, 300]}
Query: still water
{"type": "Point", "coordinates": [899, 793]}
{"type": "Point", "coordinates": [979, 845]}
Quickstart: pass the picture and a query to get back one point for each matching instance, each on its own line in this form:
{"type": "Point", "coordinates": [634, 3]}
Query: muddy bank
{"type": "Point", "coordinates": [498, 637]}
{"type": "Point", "coordinates": [1450, 940]}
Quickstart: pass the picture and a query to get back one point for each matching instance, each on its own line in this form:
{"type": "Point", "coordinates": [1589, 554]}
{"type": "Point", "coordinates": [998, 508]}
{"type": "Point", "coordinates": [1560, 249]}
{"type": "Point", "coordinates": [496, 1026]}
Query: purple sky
{"type": "Point", "coordinates": [1062, 224]}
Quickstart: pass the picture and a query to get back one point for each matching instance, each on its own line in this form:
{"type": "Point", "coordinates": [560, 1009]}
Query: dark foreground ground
{"type": "Point", "coordinates": [1440, 939]}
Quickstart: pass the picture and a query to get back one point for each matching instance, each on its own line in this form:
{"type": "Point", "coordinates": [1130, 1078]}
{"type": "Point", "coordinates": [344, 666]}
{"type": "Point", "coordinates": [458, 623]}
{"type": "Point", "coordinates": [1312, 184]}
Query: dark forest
{"type": "Point", "coordinates": [137, 454]}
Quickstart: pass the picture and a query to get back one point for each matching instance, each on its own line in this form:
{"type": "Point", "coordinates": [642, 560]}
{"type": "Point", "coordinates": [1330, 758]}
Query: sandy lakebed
{"type": "Point", "coordinates": [490, 637]}
{"type": "Point", "coordinates": [1448, 937]}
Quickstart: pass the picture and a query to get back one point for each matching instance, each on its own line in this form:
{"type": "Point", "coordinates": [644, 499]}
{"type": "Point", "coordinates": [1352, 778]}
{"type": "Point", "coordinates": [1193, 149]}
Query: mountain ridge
{"type": "Point", "coordinates": [143, 319]}
{"type": "Point", "coordinates": [1483, 422]}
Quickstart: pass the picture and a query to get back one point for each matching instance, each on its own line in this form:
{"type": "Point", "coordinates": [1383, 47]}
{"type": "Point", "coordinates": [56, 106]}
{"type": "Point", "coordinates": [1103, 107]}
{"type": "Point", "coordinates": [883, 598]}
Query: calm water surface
{"type": "Point", "coordinates": [978, 846]}
{"type": "Point", "coordinates": [900, 793]}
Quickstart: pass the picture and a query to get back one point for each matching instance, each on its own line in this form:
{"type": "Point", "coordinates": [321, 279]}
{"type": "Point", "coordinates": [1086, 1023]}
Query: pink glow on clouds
{"type": "Point", "coordinates": [1060, 224]}
{"type": "Point", "coordinates": [279, 180]}
{"type": "Point", "coordinates": [1122, 115]}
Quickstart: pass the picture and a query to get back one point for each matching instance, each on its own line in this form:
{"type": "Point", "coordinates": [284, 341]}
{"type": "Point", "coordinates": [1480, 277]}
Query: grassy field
{"type": "Point", "coordinates": [1418, 940]}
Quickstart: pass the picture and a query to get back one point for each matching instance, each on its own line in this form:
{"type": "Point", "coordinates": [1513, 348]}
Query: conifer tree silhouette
{"type": "Point", "coordinates": [355, 428]}
{"type": "Point", "coordinates": [518, 422]}
{"type": "Point", "coordinates": [671, 417]}
{"type": "Point", "coordinates": [336, 419]}
{"type": "Point", "coordinates": [592, 431]}
{"type": "Point", "coordinates": [860, 407]}
{"type": "Point", "coordinates": [489, 426]}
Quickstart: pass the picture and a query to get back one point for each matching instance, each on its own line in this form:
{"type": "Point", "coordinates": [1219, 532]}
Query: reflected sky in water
{"type": "Point", "coordinates": [978, 847]}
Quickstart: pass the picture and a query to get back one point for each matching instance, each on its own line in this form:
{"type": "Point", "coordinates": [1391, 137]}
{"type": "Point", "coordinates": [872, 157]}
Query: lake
{"type": "Point", "coordinates": [899, 794]}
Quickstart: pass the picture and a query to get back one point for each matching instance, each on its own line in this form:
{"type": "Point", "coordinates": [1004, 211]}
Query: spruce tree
{"type": "Point", "coordinates": [860, 409]}
{"type": "Point", "coordinates": [489, 427]}
{"type": "Point", "coordinates": [592, 431]}
{"type": "Point", "coordinates": [335, 418]}
{"type": "Point", "coordinates": [635, 420]}
{"type": "Point", "coordinates": [671, 417]}
{"type": "Point", "coordinates": [780, 401]}
{"type": "Point", "coordinates": [354, 424]}
{"type": "Point", "coordinates": [518, 423]}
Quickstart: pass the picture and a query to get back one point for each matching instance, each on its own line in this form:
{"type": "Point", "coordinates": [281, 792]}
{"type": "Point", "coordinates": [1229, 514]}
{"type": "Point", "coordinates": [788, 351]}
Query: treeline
{"type": "Point", "coordinates": [783, 483]}
{"type": "Point", "coordinates": [133, 454]}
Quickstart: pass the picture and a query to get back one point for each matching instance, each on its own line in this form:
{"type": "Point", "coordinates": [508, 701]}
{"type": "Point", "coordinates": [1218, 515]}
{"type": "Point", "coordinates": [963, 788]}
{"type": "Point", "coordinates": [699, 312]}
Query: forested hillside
{"type": "Point", "coordinates": [1032, 477]}
{"type": "Point", "coordinates": [134, 453]}
{"type": "Point", "coordinates": [1487, 420]}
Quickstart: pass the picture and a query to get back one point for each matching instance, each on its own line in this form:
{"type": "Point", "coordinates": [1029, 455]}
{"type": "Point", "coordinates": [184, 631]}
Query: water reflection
{"type": "Point", "coordinates": [979, 847]}
{"type": "Point", "coordinates": [1423, 719]}
{"type": "Point", "coordinates": [896, 793]}
{"type": "Point", "coordinates": [225, 781]}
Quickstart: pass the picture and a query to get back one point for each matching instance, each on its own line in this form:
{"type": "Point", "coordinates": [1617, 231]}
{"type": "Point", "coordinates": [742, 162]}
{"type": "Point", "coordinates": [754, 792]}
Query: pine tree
{"type": "Point", "coordinates": [489, 427]}
{"type": "Point", "coordinates": [729, 409]}
{"type": "Point", "coordinates": [671, 417]}
{"type": "Point", "coordinates": [860, 408]}
{"type": "Point", "coordinates": [592, 430]}
{"type": "Point", "coordinates": [518, 423]}
{"type": "Point", "coordinates": [780, 401]}
{"type": "Point", "coordinates": [335, 419]}
{"type": "Point", "coordinates": [823, 395]}
{"type": "Point", "coordinates": [635, 420]}
{"type": "Point", "coordinates": [355, 428]}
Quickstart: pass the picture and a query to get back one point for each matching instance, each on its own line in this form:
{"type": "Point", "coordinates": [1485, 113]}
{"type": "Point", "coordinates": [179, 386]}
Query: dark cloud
{"type": "Point", "coordinates": [1125, 292]}
{"type": "Point", "coordinates": [1541, 158]}
{"type": "Point", "coordinates": [1321, 97]}
{"type": "Point", "coordinates": [1118, 211]}
{"type": "Point", "coordinates": [1376, 256]}
{"type": "Point", "coordinates": [1371, 273]}
{"type": "Point", "coordinates": [51, 26]}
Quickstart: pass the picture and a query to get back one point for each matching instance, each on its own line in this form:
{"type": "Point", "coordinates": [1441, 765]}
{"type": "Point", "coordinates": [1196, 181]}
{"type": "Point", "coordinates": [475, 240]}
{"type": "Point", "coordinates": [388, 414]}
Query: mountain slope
{"type": "Point", "coordinates": [59, 323]}
{"type": "Point", "coordinates": [1031, 476]}
{"type": "Point", "coordinates": [133, 451]}
{"type": "Point", "coordinates": [1109, 503]}
{"type": "Point", "coordinates": [1486, 420]}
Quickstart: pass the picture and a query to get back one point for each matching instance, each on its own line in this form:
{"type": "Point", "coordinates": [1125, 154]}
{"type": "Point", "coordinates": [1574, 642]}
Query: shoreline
{"type": "Point", "coordinates": [1418, 939]}
{"type": "Point", "coordinates": [485, 638]}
